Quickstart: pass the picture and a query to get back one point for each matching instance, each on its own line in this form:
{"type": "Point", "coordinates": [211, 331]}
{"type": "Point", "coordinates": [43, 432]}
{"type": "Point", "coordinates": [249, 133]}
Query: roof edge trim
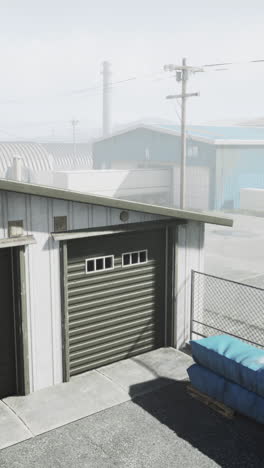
{"type": "Point", "coordinates": [17, 241]}
{"type": "Point", "coordinates": [80, 197]}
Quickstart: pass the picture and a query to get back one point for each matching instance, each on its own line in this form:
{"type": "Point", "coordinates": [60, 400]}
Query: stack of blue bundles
{"type": "Point", "coordinates": [230, 371]}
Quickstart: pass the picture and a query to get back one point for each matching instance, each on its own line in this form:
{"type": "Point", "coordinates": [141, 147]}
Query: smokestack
{"type": "Point", "coordinates": [17, 168]}
{"type": "Point", "coordinates": [106, 99]}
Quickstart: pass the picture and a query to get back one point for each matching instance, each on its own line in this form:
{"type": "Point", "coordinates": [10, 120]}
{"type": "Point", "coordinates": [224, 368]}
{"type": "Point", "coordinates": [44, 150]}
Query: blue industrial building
{"type": "Point", "coordinates": [234, 156]}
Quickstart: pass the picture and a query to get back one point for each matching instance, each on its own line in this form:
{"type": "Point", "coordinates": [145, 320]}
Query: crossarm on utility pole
{"type": "Point", "coordinates": [184, 71]}
{"type": "Point", "coordinates": [177, 96]}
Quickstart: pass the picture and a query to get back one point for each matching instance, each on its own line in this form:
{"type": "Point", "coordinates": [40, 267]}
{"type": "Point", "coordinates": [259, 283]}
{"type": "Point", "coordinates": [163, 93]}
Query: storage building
{"type": "Point", "coordinates": [220, 160]}
{"type": "Point", "coordinates": [88, 280]}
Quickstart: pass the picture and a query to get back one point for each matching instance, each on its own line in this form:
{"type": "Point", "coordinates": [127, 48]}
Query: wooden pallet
{"type": "Point", "coordinates": [220, 408]}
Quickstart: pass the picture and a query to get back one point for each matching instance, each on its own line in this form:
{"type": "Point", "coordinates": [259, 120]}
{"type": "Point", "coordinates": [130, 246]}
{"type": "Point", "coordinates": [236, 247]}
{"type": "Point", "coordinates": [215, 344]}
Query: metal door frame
{"type": "Point", "coordinates": [169, 275]}
{"type": "Point", "coordinates": [22, 321]}
{"type": "Point", "coordinates": [19, 310]}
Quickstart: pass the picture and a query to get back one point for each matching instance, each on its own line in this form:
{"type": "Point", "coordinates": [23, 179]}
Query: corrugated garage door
{"type": "Point", "coordinates": [115, 296]}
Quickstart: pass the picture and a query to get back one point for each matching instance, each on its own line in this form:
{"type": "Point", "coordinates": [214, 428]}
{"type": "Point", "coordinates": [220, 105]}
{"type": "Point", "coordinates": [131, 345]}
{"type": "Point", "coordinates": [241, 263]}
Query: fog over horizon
{"type": "Point", "coordinates": [52, 92]}
{"type": "Point", "coordinates": [52, 54]}
{"type": "Point", "coordinates": [51, 109]}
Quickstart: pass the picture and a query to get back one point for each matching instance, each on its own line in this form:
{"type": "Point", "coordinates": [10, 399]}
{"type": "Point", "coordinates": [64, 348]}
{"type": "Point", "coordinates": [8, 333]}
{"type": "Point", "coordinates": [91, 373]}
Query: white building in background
{"type": "Point", "coordinates": [159, 186]}
{"type": "Point", "coordinates": [252, 199]}
{"type": "Point", "coordinates": [54, 164]}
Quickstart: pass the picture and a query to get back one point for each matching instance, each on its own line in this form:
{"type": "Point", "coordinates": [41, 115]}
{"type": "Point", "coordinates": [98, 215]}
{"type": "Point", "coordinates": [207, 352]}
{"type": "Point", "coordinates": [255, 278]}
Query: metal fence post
{"type": "Point", "coordinates": [192, 302]}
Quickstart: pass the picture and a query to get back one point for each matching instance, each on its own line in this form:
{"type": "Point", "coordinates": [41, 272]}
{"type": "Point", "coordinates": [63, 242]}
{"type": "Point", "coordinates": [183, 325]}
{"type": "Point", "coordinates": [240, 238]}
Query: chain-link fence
{"type": "Point", "coordinates": [221, 306]}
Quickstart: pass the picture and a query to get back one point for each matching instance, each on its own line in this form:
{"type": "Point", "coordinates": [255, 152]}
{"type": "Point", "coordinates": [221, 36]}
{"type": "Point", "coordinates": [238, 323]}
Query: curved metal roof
{"type": "Point", "coordinates": [64, 157]}
{"type": "Point", "coordinates": [34, 155]}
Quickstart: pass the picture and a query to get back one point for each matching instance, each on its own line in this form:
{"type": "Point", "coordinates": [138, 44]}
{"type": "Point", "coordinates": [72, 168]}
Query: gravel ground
{"type": "Point", "coordinates": [165, 428]}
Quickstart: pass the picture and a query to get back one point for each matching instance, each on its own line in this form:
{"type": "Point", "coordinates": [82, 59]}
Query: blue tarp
{"type": "Point", "coordinates": [229, 393]}
{"type": "Point", "coordinates": [229, 357]}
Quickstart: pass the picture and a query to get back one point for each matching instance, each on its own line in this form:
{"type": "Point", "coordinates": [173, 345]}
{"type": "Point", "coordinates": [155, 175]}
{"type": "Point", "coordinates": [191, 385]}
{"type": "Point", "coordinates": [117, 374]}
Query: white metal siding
{"type": "Point", "coordinates": [43, 271]}
{"type": "Point", "coordinates": [252, 199]}
{"type": "Point", "coordinates": [188, 256]}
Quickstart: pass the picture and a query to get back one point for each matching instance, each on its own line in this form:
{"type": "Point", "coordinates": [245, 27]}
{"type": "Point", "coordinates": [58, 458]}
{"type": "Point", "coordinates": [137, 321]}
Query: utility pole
{"type": "Point", "coordinates": [182, 75]}
{"type": "Point", "coordinates": [106, 72]}
{"type": "Point", "coordinates": [74, 123]}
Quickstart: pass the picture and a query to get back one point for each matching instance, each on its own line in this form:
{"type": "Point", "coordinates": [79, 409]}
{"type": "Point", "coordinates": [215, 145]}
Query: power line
{"type": "Point", "coordinates": [155, 75]}
{"type": "Point", "coordinates": [232, 63]}
{"type": "Point", "coordinates": [86, 91]}
{"type": "Point", "coordinates": [13, 135]}
{"type": "Point", "coordinates": [181, 73]}
{"type": "Point", "coordinates": [158, 76]}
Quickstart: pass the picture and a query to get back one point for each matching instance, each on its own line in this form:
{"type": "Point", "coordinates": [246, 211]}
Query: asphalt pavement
{"type": "Point", "coordinates": [162, 429]}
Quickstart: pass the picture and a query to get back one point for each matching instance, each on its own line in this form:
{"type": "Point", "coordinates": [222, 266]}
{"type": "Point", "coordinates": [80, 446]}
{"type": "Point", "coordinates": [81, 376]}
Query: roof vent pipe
{"type": "Point", "coordinates": [17, 168]}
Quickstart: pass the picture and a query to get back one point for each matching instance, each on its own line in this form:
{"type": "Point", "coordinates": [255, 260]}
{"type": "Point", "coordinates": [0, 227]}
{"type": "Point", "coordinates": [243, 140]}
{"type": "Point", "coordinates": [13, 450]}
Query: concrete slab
{"type": "Point", "coordinates": [56, 406]}
{"type": "Point", "coordinates": [162, 429]}
{"type": "Point", "coordinates": [12, 430]}
{"type": "Point", "coordinates": [148, 371]}
{"type": "Point", "coordinates": [90, 393]}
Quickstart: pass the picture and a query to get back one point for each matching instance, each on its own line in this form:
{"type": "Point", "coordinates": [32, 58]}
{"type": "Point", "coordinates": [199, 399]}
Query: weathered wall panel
{"type": "Point", "coordinates": [3, 215]}
{"type": "Point", "coordinates": [41, 295]}
{"type": "Point", "coordinates": [189, 256]}
{"type": "Point", "coordinates": [80, 216]}
{"type": "Point", "coordinates": [16, 207]}
{"type": "Point", "coordinates": [43, 271]}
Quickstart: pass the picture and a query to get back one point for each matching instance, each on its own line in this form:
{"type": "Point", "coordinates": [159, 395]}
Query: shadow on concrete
{"type": "Point", "coordinates": [229, 443]}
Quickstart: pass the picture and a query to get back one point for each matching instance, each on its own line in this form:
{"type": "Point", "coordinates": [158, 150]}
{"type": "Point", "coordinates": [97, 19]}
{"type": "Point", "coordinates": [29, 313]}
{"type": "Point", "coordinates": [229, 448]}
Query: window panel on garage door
{"type": "Point", "coordinates": [117, 311]}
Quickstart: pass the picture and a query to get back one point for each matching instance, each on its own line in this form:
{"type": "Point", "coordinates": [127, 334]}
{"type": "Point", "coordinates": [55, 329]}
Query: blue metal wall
{"type": "Point", "coordinates": [162, 149]}
{"type": "Point", "coordinates": [132, 146]}
{"type": "Point", "coordinates": [243, 168]}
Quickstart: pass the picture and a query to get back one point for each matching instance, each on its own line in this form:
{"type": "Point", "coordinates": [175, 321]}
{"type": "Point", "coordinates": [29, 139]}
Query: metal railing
{"type": "Point", "coordinates": [220, 306]}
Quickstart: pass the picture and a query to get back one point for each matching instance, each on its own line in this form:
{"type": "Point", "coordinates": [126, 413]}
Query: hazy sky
{"type": "Point", "coordinates": [49, 50]}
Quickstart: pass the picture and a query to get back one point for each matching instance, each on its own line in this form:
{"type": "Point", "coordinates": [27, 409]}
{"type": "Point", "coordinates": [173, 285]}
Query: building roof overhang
{"type": "Point", "coordinates": [80, 197]}
{"type": "Point", "coordinates": [194, 137]}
